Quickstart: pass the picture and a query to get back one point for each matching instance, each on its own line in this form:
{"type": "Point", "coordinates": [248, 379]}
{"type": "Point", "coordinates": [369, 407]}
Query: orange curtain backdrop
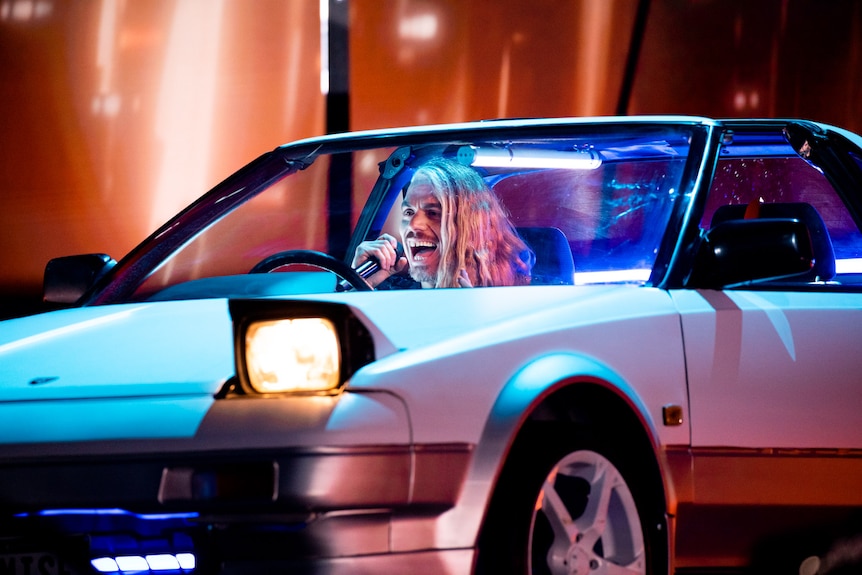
{"type": "Point", "coordinates": [116, 114]}
{"type": "Point", "coordinates": [424, 61]}
{"type": "Point", "coordinates": [736, 58]}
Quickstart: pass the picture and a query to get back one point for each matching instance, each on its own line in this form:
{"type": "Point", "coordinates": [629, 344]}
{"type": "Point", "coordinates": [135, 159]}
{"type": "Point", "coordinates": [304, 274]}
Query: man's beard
{"type": "Point", "coordinates": [422, 275]}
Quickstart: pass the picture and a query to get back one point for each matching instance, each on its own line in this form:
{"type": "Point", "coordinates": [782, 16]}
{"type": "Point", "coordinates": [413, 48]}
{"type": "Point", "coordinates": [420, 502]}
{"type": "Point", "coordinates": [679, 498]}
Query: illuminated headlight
{"type": "Point", "coordinates": [293, 355]}
{"type": "Point", "coordinates": [297, 347]}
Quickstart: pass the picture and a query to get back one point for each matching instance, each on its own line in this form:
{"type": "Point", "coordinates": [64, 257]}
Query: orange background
{"type": "Point", "coordinates": [117, 113]}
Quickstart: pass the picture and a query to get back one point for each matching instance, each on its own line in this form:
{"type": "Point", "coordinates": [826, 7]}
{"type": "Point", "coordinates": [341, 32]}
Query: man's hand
{"type": "Point", "coordinates": [464, 279]}
{"type": "Point", "coordinates": [383, 250]}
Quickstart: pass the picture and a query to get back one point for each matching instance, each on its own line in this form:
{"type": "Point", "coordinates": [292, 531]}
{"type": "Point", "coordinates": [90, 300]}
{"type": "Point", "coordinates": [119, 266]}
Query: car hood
{"type": "Point", "coordinates": [164, 349]}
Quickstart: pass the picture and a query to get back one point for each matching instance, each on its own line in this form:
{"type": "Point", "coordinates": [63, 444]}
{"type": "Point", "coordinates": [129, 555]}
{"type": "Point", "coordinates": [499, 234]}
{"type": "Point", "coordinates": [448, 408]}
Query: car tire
{"type": "Point", "coordinates": [568, 504]}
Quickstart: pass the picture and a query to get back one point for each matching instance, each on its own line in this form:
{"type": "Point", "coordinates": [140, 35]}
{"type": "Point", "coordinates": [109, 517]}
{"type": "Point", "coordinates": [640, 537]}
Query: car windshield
{"type": "Point", "coordinates": [592, 206]}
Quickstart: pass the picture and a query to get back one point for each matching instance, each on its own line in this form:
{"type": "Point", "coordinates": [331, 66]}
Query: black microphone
{"type": "Point", "coordinates": [369, 267]}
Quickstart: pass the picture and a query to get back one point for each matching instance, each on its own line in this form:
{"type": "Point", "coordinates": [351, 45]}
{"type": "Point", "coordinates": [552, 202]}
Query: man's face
{"type": "Point", "coordinates": [421, 217]}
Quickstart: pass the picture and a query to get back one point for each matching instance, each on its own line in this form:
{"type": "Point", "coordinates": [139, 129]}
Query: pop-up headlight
{"type": "Point", "coordinates": [297, 347]}
{"type": "Point", "coordinates": [292, 355]}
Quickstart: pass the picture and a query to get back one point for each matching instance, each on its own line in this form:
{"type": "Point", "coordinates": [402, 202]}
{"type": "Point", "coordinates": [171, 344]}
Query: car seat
{"type": "Point", "coordinates": [554, 263]}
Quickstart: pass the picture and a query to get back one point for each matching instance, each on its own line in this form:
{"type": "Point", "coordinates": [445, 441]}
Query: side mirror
{"type": "Point", "coordinates": [68, 278]}
{"type": "Point", "coordinates": [742, 251]}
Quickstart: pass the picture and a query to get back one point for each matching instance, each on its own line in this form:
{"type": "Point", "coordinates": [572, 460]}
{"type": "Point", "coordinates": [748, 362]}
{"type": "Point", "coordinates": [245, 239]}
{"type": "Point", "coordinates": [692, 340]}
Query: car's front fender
{"type": "Point", "coordinates": [514, 404]}
{"type": "Point", "coordinates": [537, 380]}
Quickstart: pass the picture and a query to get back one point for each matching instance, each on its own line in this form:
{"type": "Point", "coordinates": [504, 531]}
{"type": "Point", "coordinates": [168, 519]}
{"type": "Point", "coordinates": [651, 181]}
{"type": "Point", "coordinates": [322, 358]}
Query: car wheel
{"type": "Point", "coordinates": [566, 508]}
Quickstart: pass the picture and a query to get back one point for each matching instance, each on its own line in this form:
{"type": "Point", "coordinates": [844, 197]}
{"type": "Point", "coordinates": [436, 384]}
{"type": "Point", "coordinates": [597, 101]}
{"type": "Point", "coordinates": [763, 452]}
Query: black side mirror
{"type": "Point", "coordinates": [68, 278]}
{"type": "Point", "coordinates": [742, 251]}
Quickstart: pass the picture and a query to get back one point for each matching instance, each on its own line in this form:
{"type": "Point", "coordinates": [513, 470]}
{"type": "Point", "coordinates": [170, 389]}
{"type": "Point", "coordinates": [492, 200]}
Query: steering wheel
{"type": "Point", "coordinates": [312, 258]}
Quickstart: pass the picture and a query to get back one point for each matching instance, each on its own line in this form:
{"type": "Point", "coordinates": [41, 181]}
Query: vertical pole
{"type": "Point", "coordinates": [338, 96]}
{"type": "Point", "coordinates": [338, 120]}
{"type": "Point", "coordinates": [633, 56]}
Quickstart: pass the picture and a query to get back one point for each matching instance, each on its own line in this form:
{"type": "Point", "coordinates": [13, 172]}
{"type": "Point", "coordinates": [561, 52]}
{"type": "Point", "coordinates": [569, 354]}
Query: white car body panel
{"type": "Point", "coordinates": [766, 371]}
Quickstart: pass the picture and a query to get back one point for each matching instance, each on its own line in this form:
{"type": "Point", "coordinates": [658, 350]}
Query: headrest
{"type": "Point", "coordinates": [824, 255]}
{"type": "Point", "coordinates": [554, 263]}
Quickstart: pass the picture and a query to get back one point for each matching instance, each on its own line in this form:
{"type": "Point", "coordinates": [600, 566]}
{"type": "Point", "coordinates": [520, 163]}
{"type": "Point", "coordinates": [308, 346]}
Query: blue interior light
{"type": "Point", "coordinates": [105, 565]}
{"type": "Point", "coordinates": [135, 563]}
{"type": "Point", "coordinates": [187, 561]}
{"type": "Point", "coordinates": [156, 563]}
{"type": "Point", "coordinates": [163, 562]}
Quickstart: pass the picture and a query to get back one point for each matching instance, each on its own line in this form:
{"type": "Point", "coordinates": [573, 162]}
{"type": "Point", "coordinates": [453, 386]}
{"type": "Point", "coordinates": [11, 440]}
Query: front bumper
{"type": "Point", "coordinates": [260, 481]}
{"type": "Point", "coordinates": [234, 512]}
{"type": "Point", "coordinates": [294, 480]}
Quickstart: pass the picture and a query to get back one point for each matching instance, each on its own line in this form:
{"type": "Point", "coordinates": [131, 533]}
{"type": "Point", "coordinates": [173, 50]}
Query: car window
{"type": "Point", "coordinates": [778, 175]}
{"type": "Point", "coordinates": [611, 215]}
{"type": "Point", "coordinates": [294, 213]}
{"type": "Point", "coordinates": [614, 217]}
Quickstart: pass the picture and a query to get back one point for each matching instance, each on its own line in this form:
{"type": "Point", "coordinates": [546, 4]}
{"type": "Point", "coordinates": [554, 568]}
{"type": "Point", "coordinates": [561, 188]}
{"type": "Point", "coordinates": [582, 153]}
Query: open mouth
{"type": "Point", "coordinates": [421, 249]}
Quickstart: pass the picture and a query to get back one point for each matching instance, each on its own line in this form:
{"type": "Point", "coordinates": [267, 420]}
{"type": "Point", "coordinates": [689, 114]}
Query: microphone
{"type": "Point", "coordinates": [369, 267]}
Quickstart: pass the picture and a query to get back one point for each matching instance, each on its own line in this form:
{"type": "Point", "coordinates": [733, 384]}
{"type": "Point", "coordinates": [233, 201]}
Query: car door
{"type": "Point", "coordinates": [775, 385]}
{"type": "Point", "coordinates": [775, 369]}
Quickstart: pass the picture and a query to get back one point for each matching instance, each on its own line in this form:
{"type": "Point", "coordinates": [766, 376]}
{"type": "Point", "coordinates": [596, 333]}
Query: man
{"type": "Point", "coordinates": [455, 233]}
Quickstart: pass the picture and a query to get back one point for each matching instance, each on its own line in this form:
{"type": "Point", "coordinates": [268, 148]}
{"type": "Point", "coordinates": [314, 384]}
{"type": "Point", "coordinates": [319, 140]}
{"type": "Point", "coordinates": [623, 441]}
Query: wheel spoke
{"type": "Point", "coordinates": [593, 521]}
{"type": "Point", "coordinates": [557, 513]}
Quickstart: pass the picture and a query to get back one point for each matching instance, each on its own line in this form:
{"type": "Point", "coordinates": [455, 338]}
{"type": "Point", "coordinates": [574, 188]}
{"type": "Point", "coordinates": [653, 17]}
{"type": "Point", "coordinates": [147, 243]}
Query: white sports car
{"type": "Point", "coordinates": [677, 390]}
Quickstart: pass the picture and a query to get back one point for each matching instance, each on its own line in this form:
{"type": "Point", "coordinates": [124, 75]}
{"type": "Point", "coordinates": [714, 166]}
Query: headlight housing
{"type": "Point", "coordinates": [297, 347]}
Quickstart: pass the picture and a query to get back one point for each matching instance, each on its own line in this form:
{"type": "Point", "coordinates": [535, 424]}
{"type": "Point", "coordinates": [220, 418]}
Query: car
{"type": "Point", "coordinates": [675, 387]}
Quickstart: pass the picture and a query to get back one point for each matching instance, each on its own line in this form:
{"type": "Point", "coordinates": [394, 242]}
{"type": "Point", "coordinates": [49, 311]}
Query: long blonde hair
{"type": "Point", "coordinates": [476, 233]}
